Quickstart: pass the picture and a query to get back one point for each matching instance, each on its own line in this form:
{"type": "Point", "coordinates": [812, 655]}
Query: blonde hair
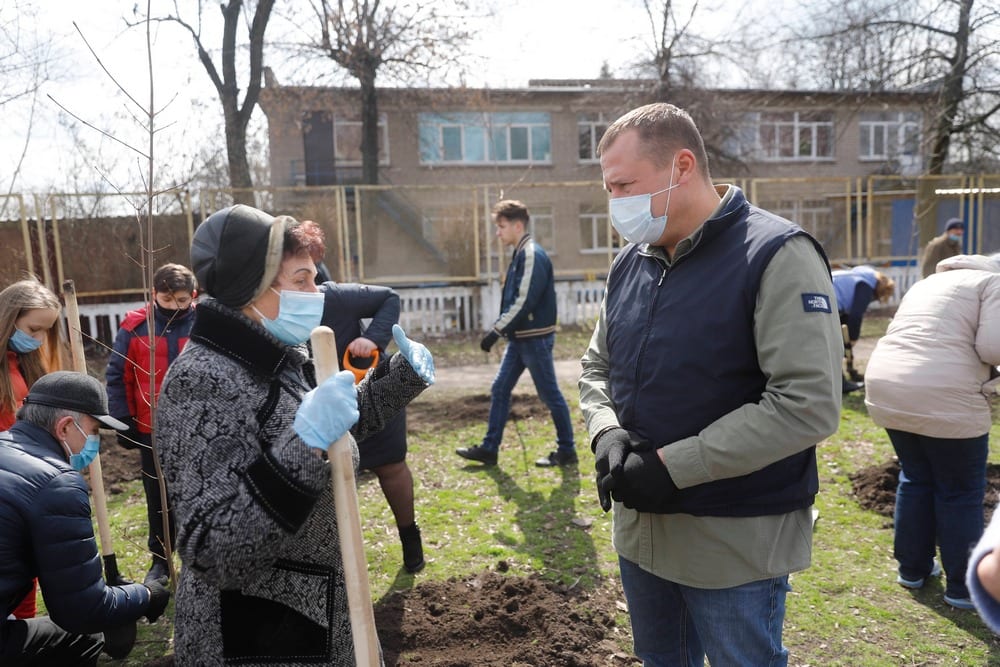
{"type": "Point", "coordinates": [16, 300]}
{"type": "Point", "coordinates": [885, 287]}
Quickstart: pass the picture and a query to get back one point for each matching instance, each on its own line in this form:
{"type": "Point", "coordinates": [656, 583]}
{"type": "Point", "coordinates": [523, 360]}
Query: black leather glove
{"type": "Point", "coordinates": [159, 596]}
{"type": "Point", "coordinates": [488, 341]}
{"type": "Point", "coordinates": [128, 439]}
{"type": "Point", "coordinates": [610, 449]}
{"type": "Point", "coordinates": [118, 641]}
{"type": "Point", "coordinates": [644, 482]}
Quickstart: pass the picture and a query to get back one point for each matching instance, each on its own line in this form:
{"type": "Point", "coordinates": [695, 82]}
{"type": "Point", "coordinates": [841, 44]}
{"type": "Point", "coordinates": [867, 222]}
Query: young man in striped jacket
{"type": "Point", "coordinates": [528, 321]}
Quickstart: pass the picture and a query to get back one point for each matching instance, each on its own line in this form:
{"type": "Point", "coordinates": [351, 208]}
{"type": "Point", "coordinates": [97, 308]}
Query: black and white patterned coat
{"type": "Point", "coordinates": [262, 580]}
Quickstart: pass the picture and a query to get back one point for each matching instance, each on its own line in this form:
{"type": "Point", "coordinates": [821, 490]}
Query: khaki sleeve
{"type": "Point", "coordinates": [595, 399]}
{"type": "Point", "coordinates": [800, 350]}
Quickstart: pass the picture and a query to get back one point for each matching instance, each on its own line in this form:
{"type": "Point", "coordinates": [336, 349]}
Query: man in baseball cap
{"type": "Point", "coordinates": [77, 392]}
{"type": "Point", "coordinates": [948, 244]}
{"type": "Point", "coordinates": [48, 533]}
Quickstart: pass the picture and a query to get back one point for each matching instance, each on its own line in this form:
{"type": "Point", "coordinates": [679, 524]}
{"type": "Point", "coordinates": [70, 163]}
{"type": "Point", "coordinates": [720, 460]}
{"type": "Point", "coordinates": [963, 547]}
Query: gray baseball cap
{"type": "Point", "coordinates": [74, 391]}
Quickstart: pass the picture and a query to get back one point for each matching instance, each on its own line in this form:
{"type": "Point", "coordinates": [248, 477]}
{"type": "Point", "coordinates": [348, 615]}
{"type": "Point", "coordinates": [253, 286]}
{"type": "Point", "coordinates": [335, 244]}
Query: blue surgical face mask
{"type": "Point", "coordinates": [298, 314]}
{"type": "Point", "coordinates": [91, 447]}
{"type": "Point", "coordinates": [955, 237]}
{"type": "Point", "coordinates": [633, 217]}
{"type": "Point", "coordinates": [23, 343]}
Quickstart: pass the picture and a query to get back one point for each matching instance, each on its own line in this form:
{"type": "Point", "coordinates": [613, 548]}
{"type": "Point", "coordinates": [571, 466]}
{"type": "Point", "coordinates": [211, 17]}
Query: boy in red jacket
{"type": "Point", "coordinates": [130, 397]}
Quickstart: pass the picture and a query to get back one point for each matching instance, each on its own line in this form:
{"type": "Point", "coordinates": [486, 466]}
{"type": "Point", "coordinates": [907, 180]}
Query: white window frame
{"type": "Point", "coordinates": [383, 124]}
{"type": "Point", "coordinates": [595, 127]}
{"type": "Point", "coordinates": [598, 223]}
{"type": "Point", "coordinates": [751, 142]}
{"type": "Point", "coordinates": [489, 131]}
{"type": "Point", "coordinates": [894, 136]}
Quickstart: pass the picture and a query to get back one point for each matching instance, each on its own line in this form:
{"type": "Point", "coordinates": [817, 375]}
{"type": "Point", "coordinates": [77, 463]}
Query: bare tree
{"type": "Point", "coordinates": [236, 112]}
{"type": "Point", "coordinates": [25, 58]}
{"type": "Point", "coordinates": [949, 46]}
{"type": "Point", "coordinates": [369, 37]}
{"type": "Point", "coordinates": [682, 61]}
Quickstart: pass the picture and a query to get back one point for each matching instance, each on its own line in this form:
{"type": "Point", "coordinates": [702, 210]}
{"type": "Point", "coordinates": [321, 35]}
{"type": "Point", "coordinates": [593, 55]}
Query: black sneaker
{"type": "Point", "coordinates": [413, 549]}
{"type": "Point", "coordinates": [478, 453]}
{"type": "Point", "coordinates": [158, 572]}
{"type": "Point", "coordinates": [849, 386]}
{"type": "Point", "coordinates": [557, 458]}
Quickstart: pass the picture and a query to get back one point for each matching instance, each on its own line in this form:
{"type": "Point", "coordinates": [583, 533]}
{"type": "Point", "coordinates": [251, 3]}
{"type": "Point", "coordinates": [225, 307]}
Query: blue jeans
{"type": "Point", "coordinates": [939, 500]}
{"type": "Point", "coordinates": [535, 354]}
{"type": "Point", "coordinates": [675, 625]}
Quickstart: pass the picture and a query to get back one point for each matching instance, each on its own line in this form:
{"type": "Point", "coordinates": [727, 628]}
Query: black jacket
{"type": "Point", "coordinates": [46, 532]}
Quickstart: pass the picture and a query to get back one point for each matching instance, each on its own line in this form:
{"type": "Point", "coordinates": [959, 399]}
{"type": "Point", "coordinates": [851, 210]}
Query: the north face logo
{"type": "Point", "coordinates": [816, 303]}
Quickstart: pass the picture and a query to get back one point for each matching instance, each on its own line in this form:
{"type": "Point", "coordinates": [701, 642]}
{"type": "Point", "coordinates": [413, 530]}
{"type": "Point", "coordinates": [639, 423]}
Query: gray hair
{"type": "Point", "coordinates": [45, 416]}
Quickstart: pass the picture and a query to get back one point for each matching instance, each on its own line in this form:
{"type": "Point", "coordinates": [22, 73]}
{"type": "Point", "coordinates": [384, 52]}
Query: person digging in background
{"type": "Point", "coordinates": [928, 384]}
{"type": "Point", "coordinates": [127, 377]}
{"type": "Point", "coordinates": [711, 375]}
{"type": "Point", "coordinates": [28, 313]}
{"type": "Point", "coordinates": [944, 246]}
{"type": "Point", "coordinates": [528, 320]}
{"type": "Point", "coordinates": [384, 453]}
{"type": "Point", "coordinates": [856, 288]}
{"type": "Point", "coordinates": [48, 532]}
{"type": "Point", "coordinates": [243, 433]}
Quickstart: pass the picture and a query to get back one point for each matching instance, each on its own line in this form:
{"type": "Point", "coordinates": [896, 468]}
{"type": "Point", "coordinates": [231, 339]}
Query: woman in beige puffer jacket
{"type": "Point", "coordinates": [928, 383]}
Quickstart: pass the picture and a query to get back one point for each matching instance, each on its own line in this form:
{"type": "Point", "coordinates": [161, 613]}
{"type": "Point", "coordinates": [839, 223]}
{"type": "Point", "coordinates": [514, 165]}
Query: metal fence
{"type": "Point", "coordinates": [436, 245]}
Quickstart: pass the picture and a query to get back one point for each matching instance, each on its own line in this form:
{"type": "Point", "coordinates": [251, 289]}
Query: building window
{"type": "Point", "coordinates": [590, 128]}
{"type": "Point", "coordinates": [543, 228]}
{"type": "Point", "coordinates": [347, 141]}
{"type": "Point", "coordinates": [813, 215]}
{"type": "Point", "coordinates": [889, 135]}
{"type": "Point", "coordinates": [596, 235]}
{"type": "Point", "coordinates": [485, 138]}
{"type": "Point", "coordinates": [783, 136]}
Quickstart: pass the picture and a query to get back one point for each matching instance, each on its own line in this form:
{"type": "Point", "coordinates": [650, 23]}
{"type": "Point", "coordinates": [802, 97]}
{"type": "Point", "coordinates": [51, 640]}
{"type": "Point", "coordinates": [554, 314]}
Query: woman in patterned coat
{"type": "Point", "coordinates": [242, 438]}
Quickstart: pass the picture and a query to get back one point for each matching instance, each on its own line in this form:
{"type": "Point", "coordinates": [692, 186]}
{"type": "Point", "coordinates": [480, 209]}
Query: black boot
{"type": "Point", "coordinates": [413, 548]}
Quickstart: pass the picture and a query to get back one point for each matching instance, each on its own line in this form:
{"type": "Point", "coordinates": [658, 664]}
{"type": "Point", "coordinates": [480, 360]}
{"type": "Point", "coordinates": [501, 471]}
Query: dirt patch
{"type": "Point", "coordinates": [875, 488]}
{"type": "Point", "coordinates": [492, 620]}
{"type": "Point", "coordinates": [427, 416]}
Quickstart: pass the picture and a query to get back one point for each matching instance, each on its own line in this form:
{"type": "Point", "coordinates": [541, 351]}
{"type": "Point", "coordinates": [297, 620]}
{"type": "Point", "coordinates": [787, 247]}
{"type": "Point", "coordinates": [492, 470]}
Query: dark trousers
{"type": "Point", "coordinates": [154, 507]}
{"type": "Point", "coordinates": [39, 641]}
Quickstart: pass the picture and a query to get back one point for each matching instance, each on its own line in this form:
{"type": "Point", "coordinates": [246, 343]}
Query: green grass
{"type": "Point", "coordinates": [845, 610]}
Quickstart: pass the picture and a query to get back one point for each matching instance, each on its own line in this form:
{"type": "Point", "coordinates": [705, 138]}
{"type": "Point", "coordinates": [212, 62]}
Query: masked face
{"type": "Point", "coordinates": [30, 329]}
{"type": "Point", "coordinates": [633, 217]}
{"type": "Point", "coordinates": [23, 343]}
{"type": "Point", "coordinates": [173, 304]}
{"type": "Point", "coordinates": [298, 314]}
{"type": "Point", "coordinates": [86, 456]}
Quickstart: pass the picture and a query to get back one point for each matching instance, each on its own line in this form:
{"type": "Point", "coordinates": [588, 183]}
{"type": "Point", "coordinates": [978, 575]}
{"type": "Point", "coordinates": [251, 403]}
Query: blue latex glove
{"type": "Point", "coordinates": [328, 411]}
{"type": "Point", "coordinates": [417, 354]}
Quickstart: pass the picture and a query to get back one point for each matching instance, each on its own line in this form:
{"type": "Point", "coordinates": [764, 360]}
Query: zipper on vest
{"type": "Point", "coordinates": [649, 326]}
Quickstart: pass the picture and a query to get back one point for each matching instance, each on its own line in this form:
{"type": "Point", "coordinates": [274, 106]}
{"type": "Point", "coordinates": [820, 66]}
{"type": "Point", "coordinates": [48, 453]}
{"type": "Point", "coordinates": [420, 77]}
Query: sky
{"type": "Point", "coordinates": [525, 39]}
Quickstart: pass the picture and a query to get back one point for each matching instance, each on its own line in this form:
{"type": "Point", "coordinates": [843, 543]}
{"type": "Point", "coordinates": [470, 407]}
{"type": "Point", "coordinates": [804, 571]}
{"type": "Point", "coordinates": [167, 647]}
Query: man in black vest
{"type": "Point", "coordinates": [713, 371]}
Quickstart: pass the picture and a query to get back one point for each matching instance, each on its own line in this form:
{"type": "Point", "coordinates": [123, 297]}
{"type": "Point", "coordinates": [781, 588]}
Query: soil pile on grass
{"type": "Point", "coordinates": [875, 487]}
{"type": "Point", "coordinates": [491, 620]}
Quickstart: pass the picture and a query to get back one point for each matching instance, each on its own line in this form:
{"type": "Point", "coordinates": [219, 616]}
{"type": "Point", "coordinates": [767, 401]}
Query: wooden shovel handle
{"type": "Point", "coordinates": [345, 498]}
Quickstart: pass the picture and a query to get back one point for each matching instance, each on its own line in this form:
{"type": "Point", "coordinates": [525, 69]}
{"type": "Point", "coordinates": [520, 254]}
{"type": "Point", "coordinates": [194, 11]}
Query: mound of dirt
{"type": "Point", "coordinates": [875, 488]}
{"type": "Point", "coordinates": [496, 621]}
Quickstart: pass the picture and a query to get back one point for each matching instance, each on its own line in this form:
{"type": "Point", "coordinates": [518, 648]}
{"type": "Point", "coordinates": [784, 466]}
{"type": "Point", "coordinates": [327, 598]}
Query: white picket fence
{"type": "Point", "coordinates": [442, 310]}
{"type": "Point", "coordinates": [429, 311]}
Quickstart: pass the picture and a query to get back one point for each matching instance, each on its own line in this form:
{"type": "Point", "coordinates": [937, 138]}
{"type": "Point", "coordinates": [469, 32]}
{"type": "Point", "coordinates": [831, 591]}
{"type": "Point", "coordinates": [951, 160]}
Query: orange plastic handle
{"type": "Point", "coordinates": [359, 373]}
